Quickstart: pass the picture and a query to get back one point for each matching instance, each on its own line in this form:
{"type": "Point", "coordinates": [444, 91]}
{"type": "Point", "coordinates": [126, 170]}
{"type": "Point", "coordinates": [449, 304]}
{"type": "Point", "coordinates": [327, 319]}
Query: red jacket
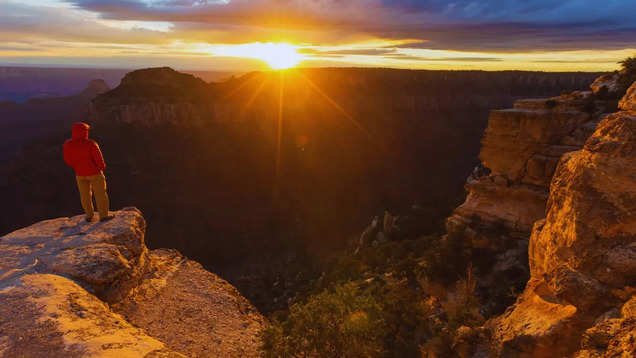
{"type": "Point", "coordinates": [83, 154]}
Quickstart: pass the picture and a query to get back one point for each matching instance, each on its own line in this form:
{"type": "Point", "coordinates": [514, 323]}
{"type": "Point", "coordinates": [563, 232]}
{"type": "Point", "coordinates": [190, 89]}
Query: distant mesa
{"type": "Point", "coordinates": [156, 96]}
{"type": "Point", "coordinates": [161, 83]}
{"type": "Point", "coordinates": [95, 88]}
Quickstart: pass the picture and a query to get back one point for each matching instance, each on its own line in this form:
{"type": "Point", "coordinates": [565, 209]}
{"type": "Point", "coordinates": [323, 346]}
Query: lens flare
{"type": "Point", "coordinates": [278, 56]}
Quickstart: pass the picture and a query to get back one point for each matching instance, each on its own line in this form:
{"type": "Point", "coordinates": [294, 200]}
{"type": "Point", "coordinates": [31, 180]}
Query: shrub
{"type": "Point", "coordinates": [627, 74]}
{"type": "Point", "coordinates": [462, 308]}
{"type": "Point", "coordinates": [407, 318]}
{"type": "Point", "coordinates": [344, 322]}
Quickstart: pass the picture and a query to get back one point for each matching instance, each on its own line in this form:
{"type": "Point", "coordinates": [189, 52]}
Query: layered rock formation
{"type": "Point", "coordinates": [582, 256]}
{"type": "Point", "coordinates": [521, 148]}
{"type": "Point", "coordinates": [69, 288]}
{"type": "Point", "coordinates": [508, 192]}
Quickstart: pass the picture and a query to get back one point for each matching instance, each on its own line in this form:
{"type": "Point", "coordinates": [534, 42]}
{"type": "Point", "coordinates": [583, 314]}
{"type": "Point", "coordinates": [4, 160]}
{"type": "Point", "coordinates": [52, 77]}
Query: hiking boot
{"type": "Point", "coordinates": [107, 218]}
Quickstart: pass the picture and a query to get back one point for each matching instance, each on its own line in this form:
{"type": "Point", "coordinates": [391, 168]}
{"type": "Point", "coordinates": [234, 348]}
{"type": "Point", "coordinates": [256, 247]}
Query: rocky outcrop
{"type": "Point", "coordinates": [613, 335]}
{"type": "Point", "coordinates": [69, 288]}
{"type": "Point", "coordinates": [609, 82]}
{"type": "Point", "coordinates": [628, 102]}
{"type": "Point", "coordinates": [582, 256]}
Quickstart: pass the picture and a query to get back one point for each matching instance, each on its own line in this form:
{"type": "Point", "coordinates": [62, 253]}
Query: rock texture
{"type": "Point", "coordinates": [509, 191]}
{"type": "Point", "coordinates": [582, 256]}
{"type": "Point", "coordinates": [609, 81]}
{"type": "Point", "coordinates": [69, 288]}
{"type": "Point", "coordinates": [520, 149]}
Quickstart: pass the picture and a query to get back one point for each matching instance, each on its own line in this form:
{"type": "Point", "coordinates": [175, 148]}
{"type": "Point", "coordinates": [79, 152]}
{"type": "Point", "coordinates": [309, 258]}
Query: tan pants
{"type": "Point", "coordinates": [89, 185]}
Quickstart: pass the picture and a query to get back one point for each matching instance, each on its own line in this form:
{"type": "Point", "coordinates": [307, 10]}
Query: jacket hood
{"type": "Point", "coordinates": [80, 130]}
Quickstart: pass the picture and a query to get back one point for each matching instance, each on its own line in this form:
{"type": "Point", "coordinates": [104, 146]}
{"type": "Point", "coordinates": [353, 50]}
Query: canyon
{"type": "Point", "coordinates": [200, 159]}
{"type": "Point", "coordinates": [550, 209]}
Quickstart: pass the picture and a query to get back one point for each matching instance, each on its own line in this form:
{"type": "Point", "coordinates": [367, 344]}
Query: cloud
{"type": "Point", "coordinates": [425, 33]}
{"type": "Point", "coordinates": [348, 52]}
{"type": "Point", "coordinates": [31, 23]}
{"type": "Point", "coordinates": [444, 59]}
{"type": "Point", "coordinates": [494, 25]}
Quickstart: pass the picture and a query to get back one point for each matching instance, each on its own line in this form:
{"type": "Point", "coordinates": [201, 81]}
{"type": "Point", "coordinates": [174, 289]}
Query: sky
{"type": "Point", "coordinates": [245, 35]}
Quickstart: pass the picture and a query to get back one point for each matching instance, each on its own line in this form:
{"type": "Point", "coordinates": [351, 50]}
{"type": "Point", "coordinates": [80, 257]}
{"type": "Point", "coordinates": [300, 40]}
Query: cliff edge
{"type": "Point", "coordinates": [69, 288]}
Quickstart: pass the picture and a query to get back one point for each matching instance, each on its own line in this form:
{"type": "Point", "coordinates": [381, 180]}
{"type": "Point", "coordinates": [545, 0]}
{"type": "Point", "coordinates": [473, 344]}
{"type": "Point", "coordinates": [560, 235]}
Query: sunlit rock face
{"type": "Point", "coordinates": [520, 149]}
{"type": "Point", "coordinates": [609, 81]}
{"type": "Point", "coordinates": [507, 194]}
{"type": "Point", "coordinates": [628, 102]}
{"type": "Point", "coordinates": [69, 288]}
{"type": "Point", "coordinates": [582, 256]}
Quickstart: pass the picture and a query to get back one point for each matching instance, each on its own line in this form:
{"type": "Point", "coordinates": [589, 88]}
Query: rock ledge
{"type": "Point", "coordinates": [69, 288]}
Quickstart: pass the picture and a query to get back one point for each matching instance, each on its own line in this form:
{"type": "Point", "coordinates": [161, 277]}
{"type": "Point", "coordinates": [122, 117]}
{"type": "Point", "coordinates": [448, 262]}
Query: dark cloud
{"type": "Point", "coordinates": [494, 25]}
{"type": "Point", "coordinates": [466, 25]}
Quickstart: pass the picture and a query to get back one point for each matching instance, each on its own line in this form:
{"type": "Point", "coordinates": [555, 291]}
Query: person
{"type": "Point", "coordinates": [85, 157]}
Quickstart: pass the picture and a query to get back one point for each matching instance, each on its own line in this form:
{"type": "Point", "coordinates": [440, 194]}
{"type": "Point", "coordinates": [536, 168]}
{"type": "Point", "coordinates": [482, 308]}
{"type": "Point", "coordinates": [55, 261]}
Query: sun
{"type": "Point", "coordinates": [278, 56]}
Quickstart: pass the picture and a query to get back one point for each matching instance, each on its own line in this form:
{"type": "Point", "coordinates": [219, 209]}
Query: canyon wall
{"type": "Point", "coordinates": [70, 288]}
{"type": "Point", "coordinates": [582, 256]}
{"type": "Point", "coordinates": [557, 184]}
{"type": "Point", "coordinates": [508, 192]}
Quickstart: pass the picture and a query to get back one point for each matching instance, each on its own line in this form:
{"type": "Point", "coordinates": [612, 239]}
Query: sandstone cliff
{"type": "Point", "coordinates": [582, 256]}
{"type": "Point", "coordinates": [69, 288]}
{"type": "Point", "coordinates": [508, 192]}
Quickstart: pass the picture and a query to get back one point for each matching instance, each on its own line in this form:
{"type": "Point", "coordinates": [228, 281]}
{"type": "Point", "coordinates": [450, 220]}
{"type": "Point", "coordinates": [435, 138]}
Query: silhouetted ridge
{"type": "Point", "coordinates": [158, 84]}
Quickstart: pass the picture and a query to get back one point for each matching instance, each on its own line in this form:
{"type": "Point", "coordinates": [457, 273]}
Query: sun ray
{"type": "Point", "coordinates": [238, 88]}
{"type": "Point", "coordinates": [335, 104]}
{"type": "Point", "coordinates": [252, 98]}
{"type": "Point", "coordinates": [279, 131]}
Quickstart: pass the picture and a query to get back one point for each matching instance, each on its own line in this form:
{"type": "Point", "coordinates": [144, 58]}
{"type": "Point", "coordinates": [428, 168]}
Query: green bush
{"type": "Point", "coordinates": [344, 322]}
{"type": "Point", "coordinates": [399, 299]}
{"type": "Point", "coordinates": [627, 74]}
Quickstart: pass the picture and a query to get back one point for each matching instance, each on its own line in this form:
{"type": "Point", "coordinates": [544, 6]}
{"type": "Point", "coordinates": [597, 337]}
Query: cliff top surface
{"type": "Point", "coordinates": [70, 288]}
